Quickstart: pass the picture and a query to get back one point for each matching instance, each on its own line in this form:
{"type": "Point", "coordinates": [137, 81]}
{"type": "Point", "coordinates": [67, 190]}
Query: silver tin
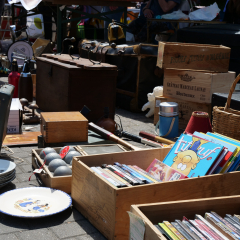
{"type": "Point", "coordinates": [168, 109]}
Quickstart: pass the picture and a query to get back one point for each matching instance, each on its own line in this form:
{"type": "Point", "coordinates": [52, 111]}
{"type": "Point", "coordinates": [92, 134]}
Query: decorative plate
{"type": "Point", "coordinates": [34, 202]}
{"type": "Point", "coordinates": [6, 167]}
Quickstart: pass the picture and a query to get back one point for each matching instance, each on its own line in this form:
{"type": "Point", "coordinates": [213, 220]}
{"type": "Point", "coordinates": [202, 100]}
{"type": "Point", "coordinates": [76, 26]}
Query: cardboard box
{"type": "Point", "coordinates": [213, 58]}
{"type": "Point", "coordinates": [195, 86]}
{"type": "Point", "coordinates": [185, 109]}
{"type": "Point", "coordinates": [106, 206]}
{"type": "Point", "coordinates": [64, 183]}
{"type": "Point", "coordinates": [155, 213]}
{"type": "Point", "coordinates": [64, 127]}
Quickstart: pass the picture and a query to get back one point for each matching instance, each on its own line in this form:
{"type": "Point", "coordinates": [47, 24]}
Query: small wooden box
{"type": "Point", "coordinates": [195, 86]}
{"type": "Point", "coordinates": [64, 127]}
{"type": "Point", "coordinates": [211, 58]}
{"type": "Point", "coordinates": [64, 183]}
{"type": "Point", "coordinates": [185, 109]}
{"type": "Point", "coordinates": [155, 213]}
{"type": "Point", "coordinates": [106, 206]}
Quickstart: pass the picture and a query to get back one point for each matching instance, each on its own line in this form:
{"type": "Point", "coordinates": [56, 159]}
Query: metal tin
{"type": "Point", "coordinates": [168, 109]}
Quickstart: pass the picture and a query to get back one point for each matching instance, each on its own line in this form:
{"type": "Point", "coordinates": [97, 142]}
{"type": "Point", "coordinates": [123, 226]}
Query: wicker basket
{"type": "Point", "coordinates": [226, 121]}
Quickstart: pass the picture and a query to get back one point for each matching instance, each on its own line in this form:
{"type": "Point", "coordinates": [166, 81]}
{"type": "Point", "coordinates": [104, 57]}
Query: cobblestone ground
{"type": "Point", "coordinates": [69, 224]}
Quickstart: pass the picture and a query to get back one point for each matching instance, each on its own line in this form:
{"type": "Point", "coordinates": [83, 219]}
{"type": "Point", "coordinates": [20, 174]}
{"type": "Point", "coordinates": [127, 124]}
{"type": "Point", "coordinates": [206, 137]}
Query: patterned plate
{"type": "Point", "coordinates": [34, 202]}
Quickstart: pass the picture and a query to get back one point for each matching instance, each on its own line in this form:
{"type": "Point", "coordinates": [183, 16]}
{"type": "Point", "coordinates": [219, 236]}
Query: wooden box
{"type": "Point", "coordinates": [185, 109]}
{"type": "Point", "coordinates": [106, 206]}
{"type": "Point", "coordinates": [155, 213]}
{"type": "Point", "coordinates": [195, 86]}
{"type": "Point", "coordinates": [64, 87]}
{"type": "Point", "coordinates": [211, 58]}
{"type": "Point", "coordinates": [64, 183]}
{"type": "Point", "coordinates": [64, 127]}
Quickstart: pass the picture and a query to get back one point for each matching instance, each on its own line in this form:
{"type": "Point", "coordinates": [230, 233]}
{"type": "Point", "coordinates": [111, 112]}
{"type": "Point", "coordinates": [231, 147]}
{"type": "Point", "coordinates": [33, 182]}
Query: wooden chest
{"type": "Point", "coordinates": [155, 213]}
{"type": "Point", "coordinates": [213, 58]}
{"type": "Point", "coordinates": [185, 109]}
{"type": "Point", "coordinates": [68, 87]}
{"type": "Point", "coordinates": [64, 127]}
{"type": "Point", "coordinates": [195, 86]}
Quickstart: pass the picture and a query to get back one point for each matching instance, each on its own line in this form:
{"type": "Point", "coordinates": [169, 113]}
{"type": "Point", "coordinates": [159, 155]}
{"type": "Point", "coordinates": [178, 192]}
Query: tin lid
{"type": "Point", "coordinates": [168, 109]}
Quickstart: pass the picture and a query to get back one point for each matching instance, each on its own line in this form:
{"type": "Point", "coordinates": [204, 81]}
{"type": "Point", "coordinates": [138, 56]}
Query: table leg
{"type": "Point", "coordinates": [59, 29]}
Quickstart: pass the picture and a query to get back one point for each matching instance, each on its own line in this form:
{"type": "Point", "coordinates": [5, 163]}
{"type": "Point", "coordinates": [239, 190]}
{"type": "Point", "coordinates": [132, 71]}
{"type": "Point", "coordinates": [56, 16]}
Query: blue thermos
{"type": "Point", "coordinates": [168, 120]}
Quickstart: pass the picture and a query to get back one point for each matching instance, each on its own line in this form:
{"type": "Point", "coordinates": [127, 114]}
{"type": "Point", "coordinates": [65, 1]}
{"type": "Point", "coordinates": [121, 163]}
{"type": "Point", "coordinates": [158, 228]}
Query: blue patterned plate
{"type": "Point", "coordinates": [34, 202]}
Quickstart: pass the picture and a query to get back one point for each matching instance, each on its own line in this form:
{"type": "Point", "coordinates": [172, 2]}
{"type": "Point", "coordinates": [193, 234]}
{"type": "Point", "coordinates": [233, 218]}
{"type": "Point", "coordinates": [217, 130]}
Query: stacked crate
{"type": "Point", "coordinates": [192, 73]}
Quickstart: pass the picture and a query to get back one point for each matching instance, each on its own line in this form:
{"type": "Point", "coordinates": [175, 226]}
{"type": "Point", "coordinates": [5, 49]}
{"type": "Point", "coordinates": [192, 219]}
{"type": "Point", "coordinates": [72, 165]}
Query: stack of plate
{"type": "Point", "coordinates": [7, 172]}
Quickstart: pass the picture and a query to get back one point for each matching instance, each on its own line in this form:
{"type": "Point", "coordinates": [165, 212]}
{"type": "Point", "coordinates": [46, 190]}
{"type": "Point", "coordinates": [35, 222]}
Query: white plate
{"type": "Point", "coordinates": [5, 183]}
{"type": "Point", "coordinates": [6, 177]}
{"type": "Point", "coordinates": [34, 202]}
{"type": "Point", "coordinates": [6, 167]}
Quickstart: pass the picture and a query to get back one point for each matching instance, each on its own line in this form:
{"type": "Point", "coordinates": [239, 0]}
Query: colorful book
{"type": "Point", "coordinates": [174, 230]}
{"type": "Point", "coordinates": [192, 156]}
{"type": "Point", "coordinates": [163, 172]}
{"type": "Point", "coordinates": [168, 231]}
{"type": "Point", "coordinates": [232, 150]}
{"type": "Point", "coordinates": [231, 166]}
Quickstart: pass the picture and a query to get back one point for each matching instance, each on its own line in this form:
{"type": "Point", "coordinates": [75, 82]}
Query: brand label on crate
{"type": "Point", "coordinates": [12, 129]}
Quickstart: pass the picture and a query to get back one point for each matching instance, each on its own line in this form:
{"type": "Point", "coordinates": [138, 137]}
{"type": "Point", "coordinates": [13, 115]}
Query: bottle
{"type": "Point", "coordinates": [13, 77]}
{"type": "Point", "coordinates": [25, 86]}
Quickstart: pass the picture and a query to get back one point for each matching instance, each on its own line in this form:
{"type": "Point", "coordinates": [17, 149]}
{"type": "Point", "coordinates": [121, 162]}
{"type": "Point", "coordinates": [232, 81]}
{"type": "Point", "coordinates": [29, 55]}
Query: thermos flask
{"type": "Point", "coordinates": [25, 87]}
{"type": "Point", "coordinates": [168, 120]}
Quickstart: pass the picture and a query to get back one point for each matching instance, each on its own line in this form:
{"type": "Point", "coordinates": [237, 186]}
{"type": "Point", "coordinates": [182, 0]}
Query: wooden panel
{"type": "Point", "coordinates": [93, 198]}
{"type": "Point", "coordinates": [21, 139]}
{"type": "Point", "coordinates": [185, 109]}
{"type": "Point", "coordinates": [194, 86]}
{"type": "Point", "coordinates": [193, 56]}
{"type": "Point", "coordinates": [63, 117]}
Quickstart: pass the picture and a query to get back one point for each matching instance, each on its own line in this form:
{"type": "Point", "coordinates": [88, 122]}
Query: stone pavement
{"type": "Point", "coordinates": [69, 224]}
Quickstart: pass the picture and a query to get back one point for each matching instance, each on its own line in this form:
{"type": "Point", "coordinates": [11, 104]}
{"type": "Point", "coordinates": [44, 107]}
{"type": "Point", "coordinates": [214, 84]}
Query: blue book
{"type": "Point", "coordinates": [192, 156]}
{"type": "Point", "coordinates": [236, 161]}
{"type": "Point", "coordinates": [231, 149]}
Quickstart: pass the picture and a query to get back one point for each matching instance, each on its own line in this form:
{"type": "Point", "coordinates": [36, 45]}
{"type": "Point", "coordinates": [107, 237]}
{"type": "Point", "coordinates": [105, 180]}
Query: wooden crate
{"type": "Point", "coordinates": [62, 183]}
{"type": "Point", "coordinates": [155, 213]}
{"type": "Point", "coordinates": [185, 109]}
{"type": "Point", "coordinates": [106, 206]}
{"type": "Point", "coordinates": [212, 58]}
{"type": "Point", "coordinates": [195, 86]}
{"type": "Point", "coordinates": [59, 127]}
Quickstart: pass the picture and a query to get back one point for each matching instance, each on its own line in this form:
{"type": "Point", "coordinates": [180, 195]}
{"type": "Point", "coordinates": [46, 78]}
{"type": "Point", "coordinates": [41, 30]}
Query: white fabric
{"type": "Point", "coordinates": [27, 4]}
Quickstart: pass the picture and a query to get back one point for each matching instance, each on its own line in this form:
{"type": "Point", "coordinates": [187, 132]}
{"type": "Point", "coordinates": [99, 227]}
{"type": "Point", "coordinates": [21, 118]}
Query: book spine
{"type": "Point", "coordinates": [193, 229]}
{"type": "Point", "coordinates": [201, 230]}
{"type": "Point", "coordinates": [192, 234]}
{"type": "Point", "coordinates": [148, 175]}
{"type": "Point", "coordinates": [168, 231]}
{"type": "Point", "coordinates": [174, 230]}
{"type": "Point", "coordinates": [181, 230]}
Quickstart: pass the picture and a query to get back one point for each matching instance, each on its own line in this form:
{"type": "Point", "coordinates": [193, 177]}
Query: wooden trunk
{"type": "Point", "coordinates": [106, 206]}
{"type": "Point", "coordinates": [64, 87]}
{"type": "Point", "coordinates": [211, 58]}
{"type": "Point", "coordinates": [185, 109]}
{"type": "Point", "coordinates": [59, 127]}
{"type": "Point", "coordinates": [155, 213]}
{"type": "Point", "coordinates": [195, 86]}
{"type": "Point", "coordinates": [64, 183]}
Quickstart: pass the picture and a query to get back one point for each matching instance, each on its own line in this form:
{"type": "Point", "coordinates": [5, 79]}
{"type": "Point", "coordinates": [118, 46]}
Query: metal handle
{"type": "Point", "coordinates": [69, 52]}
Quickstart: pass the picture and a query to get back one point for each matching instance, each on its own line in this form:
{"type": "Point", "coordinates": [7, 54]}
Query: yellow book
{"type": "Point", "coordinates": [168, 231]}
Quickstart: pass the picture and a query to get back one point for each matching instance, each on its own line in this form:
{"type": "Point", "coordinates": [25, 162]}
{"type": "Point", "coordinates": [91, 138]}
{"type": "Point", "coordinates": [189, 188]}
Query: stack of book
{"type": "Point", "coordinates": [14, 119]}
{"type": "Point", "coordinates": [211, 227]}
{"type": "Point", "coordinates": [204, 154]}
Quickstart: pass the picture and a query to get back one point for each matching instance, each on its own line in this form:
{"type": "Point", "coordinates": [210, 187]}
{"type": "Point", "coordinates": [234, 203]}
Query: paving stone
{"type": "Point", "coordinates": [10, 224]}
{"type": "Point", "coordinates": [23, 177]}
{"type": "Point", "coordinates": [33, 183]}
{"type": "Point", "coordinates": [68, 230]}
{"type": "Point", "coordinates": [18, 169]}
{"type": "Point", "coordinates": [29, 149]}
{"type": "Point", "coordinates": [87, 226]}
{"type": "Point", "coordinates": [8, 237]}
{"type": "Point", "coordinates": [71, 214]}
{"type": "Point", "coordinates": [93, 236]}
{"type": "Point", "coordinates": [26, 168]}
{"type": "Point", "coordinates": [38, 234]}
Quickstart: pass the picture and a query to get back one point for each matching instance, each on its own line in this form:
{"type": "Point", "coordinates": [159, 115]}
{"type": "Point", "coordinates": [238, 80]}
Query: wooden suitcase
{"type": "Point", "coordinates": [62, 86]}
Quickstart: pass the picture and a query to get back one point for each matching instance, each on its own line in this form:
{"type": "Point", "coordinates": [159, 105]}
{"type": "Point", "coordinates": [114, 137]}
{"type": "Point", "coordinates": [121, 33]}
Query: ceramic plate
{"type": "Point", "coordinates": [34, 202]}
{"type": "Point", "coordinates": [7, 177]}
{"type": "Point", "coordinates": [5, 183]}
{"type": "Point", "coordinates": [6, 167]}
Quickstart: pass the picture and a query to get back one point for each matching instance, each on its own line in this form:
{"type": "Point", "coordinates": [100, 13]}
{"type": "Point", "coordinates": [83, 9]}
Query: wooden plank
{"type": "Point", "coordinates": [185, 109]}
{"type": "Point", "coordinates": [21, 139]}
{"type": "Point", "coordinates": [195, 86]}
{"type": "Point", "coordinates": [93, 198]}
{"type": "Point", "coordinates": [193, 56]}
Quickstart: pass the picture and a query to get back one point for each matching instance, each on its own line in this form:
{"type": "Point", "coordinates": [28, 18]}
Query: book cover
{"type": "Point", "coordinates": [192, 156]}
{"type": "Point", "coordinates": [234, 163]}
{"type": "Point", "coordinates": [181, 230]}
{"type": "Point", "coordinates": [194, 230]}
{"type": "Point", "coordinates": [174, 230]}
{"type": "Point", "coordinates": [163, 172]}
{"type": "Point", "coordinates": [192, 234]}
{"type": "Point", "coordinates": [232, 150]}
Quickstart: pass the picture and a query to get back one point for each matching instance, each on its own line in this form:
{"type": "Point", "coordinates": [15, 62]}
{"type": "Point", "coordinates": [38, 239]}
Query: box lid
{"type": "Point", "coordinates": [62, 116]}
